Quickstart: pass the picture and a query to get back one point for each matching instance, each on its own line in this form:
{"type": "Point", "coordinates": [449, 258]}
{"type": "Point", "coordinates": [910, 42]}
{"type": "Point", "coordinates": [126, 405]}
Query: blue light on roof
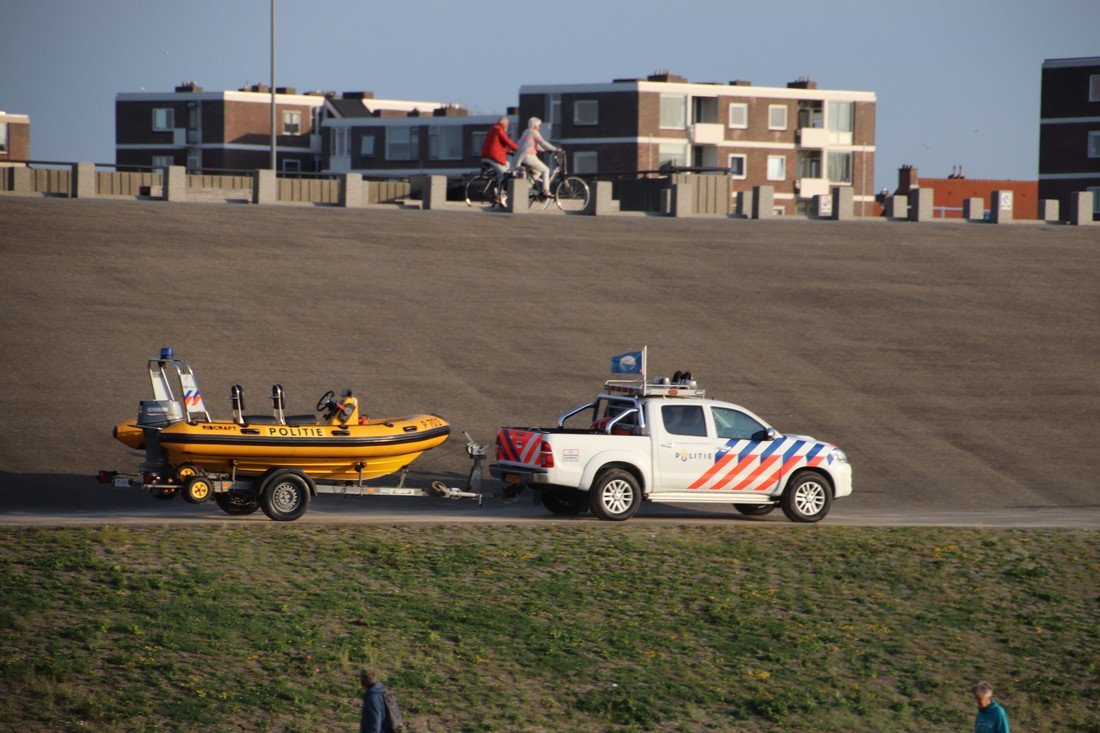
{"type": "Point", "coordinates": [166, 352]}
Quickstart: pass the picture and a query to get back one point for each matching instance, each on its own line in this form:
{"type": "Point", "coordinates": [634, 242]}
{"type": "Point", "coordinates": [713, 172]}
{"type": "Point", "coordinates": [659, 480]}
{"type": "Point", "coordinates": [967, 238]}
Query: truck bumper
{"type": "Point", "coordinates": [518, 473]}
{"type": "Point", "coordinates": [842, 479]}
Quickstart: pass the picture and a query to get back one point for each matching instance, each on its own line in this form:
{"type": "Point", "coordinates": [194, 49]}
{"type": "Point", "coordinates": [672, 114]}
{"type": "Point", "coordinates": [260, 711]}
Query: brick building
{"type": "Point", "coordinates": [1069, 129]}
{"type": "Point", "coordinates": [948, 194]}
{"type": "Point", "coordinates": [379, 137]}
{"type": "Point", "coordinates": [15, 137]}
{"type": "Point", "coordinates": [798, 138]}
{"type": "Point", "coordinates": [212, 130]}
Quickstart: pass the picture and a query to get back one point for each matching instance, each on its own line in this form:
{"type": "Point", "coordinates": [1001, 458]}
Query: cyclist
{"type": "Point", "coordinates": [495, 149]}
{"type": "Point", "coordinates": [531, 143]}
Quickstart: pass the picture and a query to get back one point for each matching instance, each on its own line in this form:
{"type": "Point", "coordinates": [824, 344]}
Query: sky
{"type": "Point", "coordinates": [957, 80]}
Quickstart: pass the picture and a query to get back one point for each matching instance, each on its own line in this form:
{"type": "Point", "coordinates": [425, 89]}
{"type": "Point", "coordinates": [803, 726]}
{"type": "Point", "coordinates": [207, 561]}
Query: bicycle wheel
{"type": "Point", "coordinates": [572, 195]}
{"type": "Point", "coordinates": [480, 191]}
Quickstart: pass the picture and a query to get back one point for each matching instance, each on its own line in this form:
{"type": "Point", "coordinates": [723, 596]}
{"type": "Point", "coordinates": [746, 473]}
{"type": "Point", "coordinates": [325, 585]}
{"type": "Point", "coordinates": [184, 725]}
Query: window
{"type": "Point", "coordinates": [292, 122]}
{"type": "Point", "coordinates": [737, 165]}
{"type": "Point", "coordinates": [292, 166]}
{"type": "Point", "coordinates": [586, 112]}
{"type": "Point", "coordinates": [3, 137]}
{"type": "Point", "coordinates": [840, 167]}
{"type": "Point", "coordinates": [551, 118]}
{"type": "Point", "coordinates": [339, 141]}
{"type": "Point", "coordinates": [739, 115]}
{"type": "Point", "coordinates": [671, 155]}
{"type": "Point", "coordinates": [736, 424]}
{"type": "Point", "coordinates": [684, 420]}
{"type": "Point", "coordinates": [704, 109]}
{"type": "Point", "coordinates": [477, 140]}
{"type": "Point", "coordinates": [163, 161]}
{"type": "Point", "coordinates": [587, 162]}
{"type": "Point", "coordinates": [444, 142]}
{"type": "Point", "coordinates": [673, 111]}
{"type": "Point", "coordinates": [777, 168]}
{"type": "Point", "coordinates": [194, 162]}
{"type": "Point", "coordinates": [1094, 88]}
{"type": "Point", "coordinates": [1094, 144]}
{"type": "Point", "coordinates": [403, 143]}
{"type": "Point", "coordinates": [164, 119]}
{"type": "Point", "coordinates": [777, 117]}
{"type": "Point", "coordinates": [366, 146]}
{"type": "Point", "coordinates": [841, 116]}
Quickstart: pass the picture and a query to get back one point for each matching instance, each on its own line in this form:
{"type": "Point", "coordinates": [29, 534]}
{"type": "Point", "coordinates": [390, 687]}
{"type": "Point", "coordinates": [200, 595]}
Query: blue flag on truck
{"type": "Point", "coordinates": [631, 362]}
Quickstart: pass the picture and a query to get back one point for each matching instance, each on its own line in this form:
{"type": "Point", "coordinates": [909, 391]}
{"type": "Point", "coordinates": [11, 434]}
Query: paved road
{"type": "Point", "coordinates": [957, 364]}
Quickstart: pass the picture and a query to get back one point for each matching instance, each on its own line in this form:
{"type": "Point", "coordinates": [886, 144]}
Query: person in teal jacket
{"type": "Point", "coordinates": [991, 716]}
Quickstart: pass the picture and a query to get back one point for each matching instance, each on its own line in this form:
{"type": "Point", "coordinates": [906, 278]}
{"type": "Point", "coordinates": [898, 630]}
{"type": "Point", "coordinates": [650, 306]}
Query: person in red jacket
{"type": "Point", "coordinates": [495, 149]}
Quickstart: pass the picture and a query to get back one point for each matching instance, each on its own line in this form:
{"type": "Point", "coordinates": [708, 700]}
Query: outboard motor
{"type": "Point", "coordinates": [153, 416]}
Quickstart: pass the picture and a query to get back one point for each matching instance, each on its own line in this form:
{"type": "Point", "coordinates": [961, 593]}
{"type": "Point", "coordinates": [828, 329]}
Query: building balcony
{"type": "Point", "coordinates": [813, 137]}
{"type": "Point", "coordinates": [707, 133]}
{"type": "Point", "coordinates": [810, 187]}
{"type": "Point", "coordinates": [818, 138]}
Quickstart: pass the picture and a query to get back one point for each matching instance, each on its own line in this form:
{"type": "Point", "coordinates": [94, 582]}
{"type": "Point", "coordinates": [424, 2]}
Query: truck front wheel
{"type": "Point", "coordinates": [564, 501]}
{"type": "Point", "coordinates": [615, 496]}
{"type": "Point", "coordinates": [808, 498]}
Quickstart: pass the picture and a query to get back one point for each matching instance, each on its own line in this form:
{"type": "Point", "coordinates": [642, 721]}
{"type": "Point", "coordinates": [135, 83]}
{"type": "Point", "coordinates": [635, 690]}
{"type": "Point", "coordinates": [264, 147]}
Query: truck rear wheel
{"type": "Point", "coordinates": [808, 498]}
{"type": "Point", "coordinates": [615, 496]}
{"type": "Point", "coordinates": [285, 495]}
{"type": "Point", "coordinates": [564, 501]}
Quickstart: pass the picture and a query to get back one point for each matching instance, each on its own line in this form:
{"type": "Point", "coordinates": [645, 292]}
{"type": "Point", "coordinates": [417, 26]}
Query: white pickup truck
{"type": "Point", "coordinates": [665, 441]}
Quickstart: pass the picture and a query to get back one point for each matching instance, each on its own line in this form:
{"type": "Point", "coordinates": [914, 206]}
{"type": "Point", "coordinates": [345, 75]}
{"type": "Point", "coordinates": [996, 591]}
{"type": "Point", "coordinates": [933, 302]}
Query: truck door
{"type": "Point", "coordinates": [744, 459]}
{"type": "Point", "coordinates": [684, 450]}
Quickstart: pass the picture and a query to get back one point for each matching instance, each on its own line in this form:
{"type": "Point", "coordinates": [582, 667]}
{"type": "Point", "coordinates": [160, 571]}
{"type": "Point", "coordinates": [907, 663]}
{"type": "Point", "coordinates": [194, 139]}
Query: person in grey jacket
{"type": "Point", "coordinates": [374, 706]}
{"type": "Point", "coordinates": [531, 143]}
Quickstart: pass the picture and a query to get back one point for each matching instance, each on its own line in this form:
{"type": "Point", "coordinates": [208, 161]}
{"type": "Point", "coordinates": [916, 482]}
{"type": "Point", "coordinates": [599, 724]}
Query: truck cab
{"type": "Point", "coordinates": [666, 441]}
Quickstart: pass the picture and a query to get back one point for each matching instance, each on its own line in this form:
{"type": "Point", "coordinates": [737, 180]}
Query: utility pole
{"type": "Point", "coordinates": [273, 85]}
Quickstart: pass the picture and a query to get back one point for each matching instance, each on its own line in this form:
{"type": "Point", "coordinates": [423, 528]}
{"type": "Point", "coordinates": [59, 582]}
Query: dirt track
{"type": "Point", "coordinates": [958, 365]}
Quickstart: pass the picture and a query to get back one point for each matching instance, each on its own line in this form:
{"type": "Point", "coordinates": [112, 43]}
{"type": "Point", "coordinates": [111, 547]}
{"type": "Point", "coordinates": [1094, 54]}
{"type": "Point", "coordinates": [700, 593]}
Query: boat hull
{"type": "Point", "coordinates": [322, 451]}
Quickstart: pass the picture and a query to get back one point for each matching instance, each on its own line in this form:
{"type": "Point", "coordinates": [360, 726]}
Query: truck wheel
{"type": "Point", "coordinates": [197, 489]}
{"type": "Point", "coordinates": [564, 501]}
{"type": "Point", "coordinates": [807, 498]}
{"type": "Point", "coordinates": [237, 503]}
{"type": "Point", "coordinates": [754, 510]}
{"type": "Point", "coordinates": [615, 496]}
{"type": "Point", "coordinates": [284, 496]}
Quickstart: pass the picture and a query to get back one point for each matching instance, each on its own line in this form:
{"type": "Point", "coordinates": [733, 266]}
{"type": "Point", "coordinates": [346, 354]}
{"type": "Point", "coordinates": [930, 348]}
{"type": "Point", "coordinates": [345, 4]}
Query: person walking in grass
{"type": "Point", "coordinates": [374, 718]}
{"type": "Point", "coordinates": [991, 716]}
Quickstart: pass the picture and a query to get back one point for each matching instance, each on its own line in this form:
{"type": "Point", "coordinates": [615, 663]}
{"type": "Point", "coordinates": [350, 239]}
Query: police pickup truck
{"type": "Point", "coordinates": [664, 441]}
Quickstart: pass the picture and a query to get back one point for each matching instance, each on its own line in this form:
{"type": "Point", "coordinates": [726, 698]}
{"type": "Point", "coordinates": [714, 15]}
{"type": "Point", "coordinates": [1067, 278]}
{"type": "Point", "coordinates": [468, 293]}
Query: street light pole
{"type": "Point", "coordinates": [272, 84]}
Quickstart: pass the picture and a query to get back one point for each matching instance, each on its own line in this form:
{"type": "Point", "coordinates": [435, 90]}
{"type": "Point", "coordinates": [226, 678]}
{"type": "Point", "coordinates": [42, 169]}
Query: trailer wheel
{"type": "Point", "coordinates": [564, 501]}
{"type": "Point", "coordinates": [197, 490]}
{"type": "Point", "coordinates": [185, 471]}
{"type": "Point", "coordinates": [284, 495]}
{"type": "Point", "coordinates": [237, 503]}
{"type": "Point", "coordinates": [616, 496]}
{"type": "Point", "coordinates": [754, 510]}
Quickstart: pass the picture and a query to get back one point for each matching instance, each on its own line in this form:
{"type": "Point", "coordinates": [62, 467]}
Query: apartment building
{"type": "Point", "coordinates": [379, 137]}
{"type": "Point", "coordinates": [800, 139]}
{"type": "Point", "coordinates": [1069, 129]}
{"type": "Point", "coordinates": [949, 194]}
{"type": "Point", "coordinates": [15, 137]}
{"type": "Point", "coordinates": [218, 130]}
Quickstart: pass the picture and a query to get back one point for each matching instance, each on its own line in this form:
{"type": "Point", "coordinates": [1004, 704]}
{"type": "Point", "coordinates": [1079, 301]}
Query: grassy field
{"type": "Point", "coordinates": [550, 628]}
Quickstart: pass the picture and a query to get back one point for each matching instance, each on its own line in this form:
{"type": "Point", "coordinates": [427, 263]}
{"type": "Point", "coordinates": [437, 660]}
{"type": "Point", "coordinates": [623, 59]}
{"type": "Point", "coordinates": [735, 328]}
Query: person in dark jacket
{"type": "Point", "coordinates": [991, 716]}
{"type": "Point", "coordinates": [495, 149]}
{"type": "Point", "coordinates": [374, 706]}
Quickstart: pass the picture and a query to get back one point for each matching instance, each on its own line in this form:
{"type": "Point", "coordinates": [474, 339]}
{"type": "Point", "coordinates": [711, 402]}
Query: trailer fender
{"type": "Point", "coordinates": [615, 459]}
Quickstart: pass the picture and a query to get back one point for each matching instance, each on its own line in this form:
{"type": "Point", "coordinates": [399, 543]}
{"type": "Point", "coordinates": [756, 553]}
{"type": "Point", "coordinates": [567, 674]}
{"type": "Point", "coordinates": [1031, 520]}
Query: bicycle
{"type": "Point", "coordinates": [569, 193]}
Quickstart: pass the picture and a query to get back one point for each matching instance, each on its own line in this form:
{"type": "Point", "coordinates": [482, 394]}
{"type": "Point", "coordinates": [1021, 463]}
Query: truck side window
{"type": "Point", "coordinates": [734, 424]}
{"type": "Point", "coordinates": [684, 420]}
